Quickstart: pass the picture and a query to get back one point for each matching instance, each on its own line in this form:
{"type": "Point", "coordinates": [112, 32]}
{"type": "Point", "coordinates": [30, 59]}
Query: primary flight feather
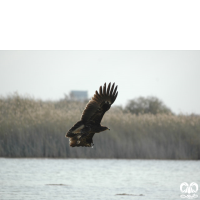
{"type": "Point", "coordinates": [82, 132]}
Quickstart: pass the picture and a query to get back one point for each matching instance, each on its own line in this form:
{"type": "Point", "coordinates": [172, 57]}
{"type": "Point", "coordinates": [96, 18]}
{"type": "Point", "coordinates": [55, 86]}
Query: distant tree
{"type": "Point", "coordinates": [150, 104]}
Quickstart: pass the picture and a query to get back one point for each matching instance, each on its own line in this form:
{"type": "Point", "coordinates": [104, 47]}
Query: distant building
{"type": "Point", "coordinates": [78, 95]}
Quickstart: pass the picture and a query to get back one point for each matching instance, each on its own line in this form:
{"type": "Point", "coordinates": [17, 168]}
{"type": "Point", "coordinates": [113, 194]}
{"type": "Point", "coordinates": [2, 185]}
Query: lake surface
{"type": "Point", "coordinates": [84, 179]}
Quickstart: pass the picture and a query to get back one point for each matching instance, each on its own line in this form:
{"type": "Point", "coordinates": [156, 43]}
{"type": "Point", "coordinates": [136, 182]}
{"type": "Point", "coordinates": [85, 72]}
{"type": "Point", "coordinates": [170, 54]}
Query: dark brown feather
{"type": "Point", "coordinates": [84, 141]}
{"type": "Point", "coordinates": [82, 132]}
{"type": "Point", "coordinates": [112, 89]}
{"type": "Point", "coordinates": [96, 107]}
{"type": "Point", "coordinates": [104, 89]}
{"type": "Point", "coordinates": [108, 89]}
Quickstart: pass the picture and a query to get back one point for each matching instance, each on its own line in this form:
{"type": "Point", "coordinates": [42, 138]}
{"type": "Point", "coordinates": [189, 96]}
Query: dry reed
{"type": "Point", "coordinates": [34, 128]}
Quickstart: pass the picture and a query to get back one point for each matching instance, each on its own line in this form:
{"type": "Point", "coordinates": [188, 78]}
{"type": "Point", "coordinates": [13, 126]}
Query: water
{"type": "Point", "coordinates": [77, 179]}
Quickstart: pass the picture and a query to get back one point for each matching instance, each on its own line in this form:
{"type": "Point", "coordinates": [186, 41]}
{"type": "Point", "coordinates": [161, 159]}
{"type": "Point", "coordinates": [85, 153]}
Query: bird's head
{"type": "Point", "coordinates": [104, 128]}
{"type": "Point", "coordinates": [107, 129]}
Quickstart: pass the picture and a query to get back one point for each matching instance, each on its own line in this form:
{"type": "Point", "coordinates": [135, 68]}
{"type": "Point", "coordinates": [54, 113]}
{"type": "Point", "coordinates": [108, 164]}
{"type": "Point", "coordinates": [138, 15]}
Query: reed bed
{"type": "Point", "coordinates": [35, 128]}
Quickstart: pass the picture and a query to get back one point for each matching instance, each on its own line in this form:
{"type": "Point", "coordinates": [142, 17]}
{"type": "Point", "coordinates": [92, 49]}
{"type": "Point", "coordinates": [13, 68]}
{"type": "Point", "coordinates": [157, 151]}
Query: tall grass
{"type": "Point", "coordinates": [34, 128]}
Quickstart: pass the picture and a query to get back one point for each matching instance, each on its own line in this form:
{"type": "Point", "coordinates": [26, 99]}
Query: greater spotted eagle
{"type": "Point", "coordinates": [82, 132]}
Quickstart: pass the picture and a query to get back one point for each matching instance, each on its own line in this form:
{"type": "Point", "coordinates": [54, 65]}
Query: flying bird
{"type": "Point", "coordinates": [82, 132]}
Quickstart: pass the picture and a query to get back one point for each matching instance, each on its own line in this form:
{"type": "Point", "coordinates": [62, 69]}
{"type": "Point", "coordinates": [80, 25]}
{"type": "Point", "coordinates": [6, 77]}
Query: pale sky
{"type": "Point", "coordinates": [172, 76]}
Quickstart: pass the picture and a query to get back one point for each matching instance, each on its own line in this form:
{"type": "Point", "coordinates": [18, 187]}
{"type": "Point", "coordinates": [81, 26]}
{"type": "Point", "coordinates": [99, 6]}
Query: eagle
{"type": "Point", "coordinates": [82, 132]}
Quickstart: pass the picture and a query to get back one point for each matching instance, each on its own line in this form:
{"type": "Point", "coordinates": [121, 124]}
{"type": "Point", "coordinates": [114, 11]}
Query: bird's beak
{"type": "Point", "coordinates": [108, 129]}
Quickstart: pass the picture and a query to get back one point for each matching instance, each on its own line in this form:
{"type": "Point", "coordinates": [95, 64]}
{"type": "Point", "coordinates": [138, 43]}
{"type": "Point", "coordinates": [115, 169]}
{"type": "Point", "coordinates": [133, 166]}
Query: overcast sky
{"type": "Point", "coordinates": [172, 76]}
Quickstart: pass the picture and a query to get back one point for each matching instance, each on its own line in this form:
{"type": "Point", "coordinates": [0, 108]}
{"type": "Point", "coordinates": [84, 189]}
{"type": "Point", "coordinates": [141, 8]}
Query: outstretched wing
{"type": "Point", "coordinates": [99, 104]}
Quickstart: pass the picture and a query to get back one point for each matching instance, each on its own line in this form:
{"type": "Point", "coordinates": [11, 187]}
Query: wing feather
{"type": "Point", "coordinates": [112, 89]}
{"type": "Point", "coordinates": [104, 89]}
{"type": "Point", "coordinates": [115, 96]}
{"type": "Point", "coordinates": [97, 96]}
{"type": "Point", "coordinates": [108, 89]}
{"type": "Point", "coordinates": [99, 104]}
{"type": "Point", "coordinates": [76, 129]}
{"type": "Point", "coordinates": [100, 91]}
